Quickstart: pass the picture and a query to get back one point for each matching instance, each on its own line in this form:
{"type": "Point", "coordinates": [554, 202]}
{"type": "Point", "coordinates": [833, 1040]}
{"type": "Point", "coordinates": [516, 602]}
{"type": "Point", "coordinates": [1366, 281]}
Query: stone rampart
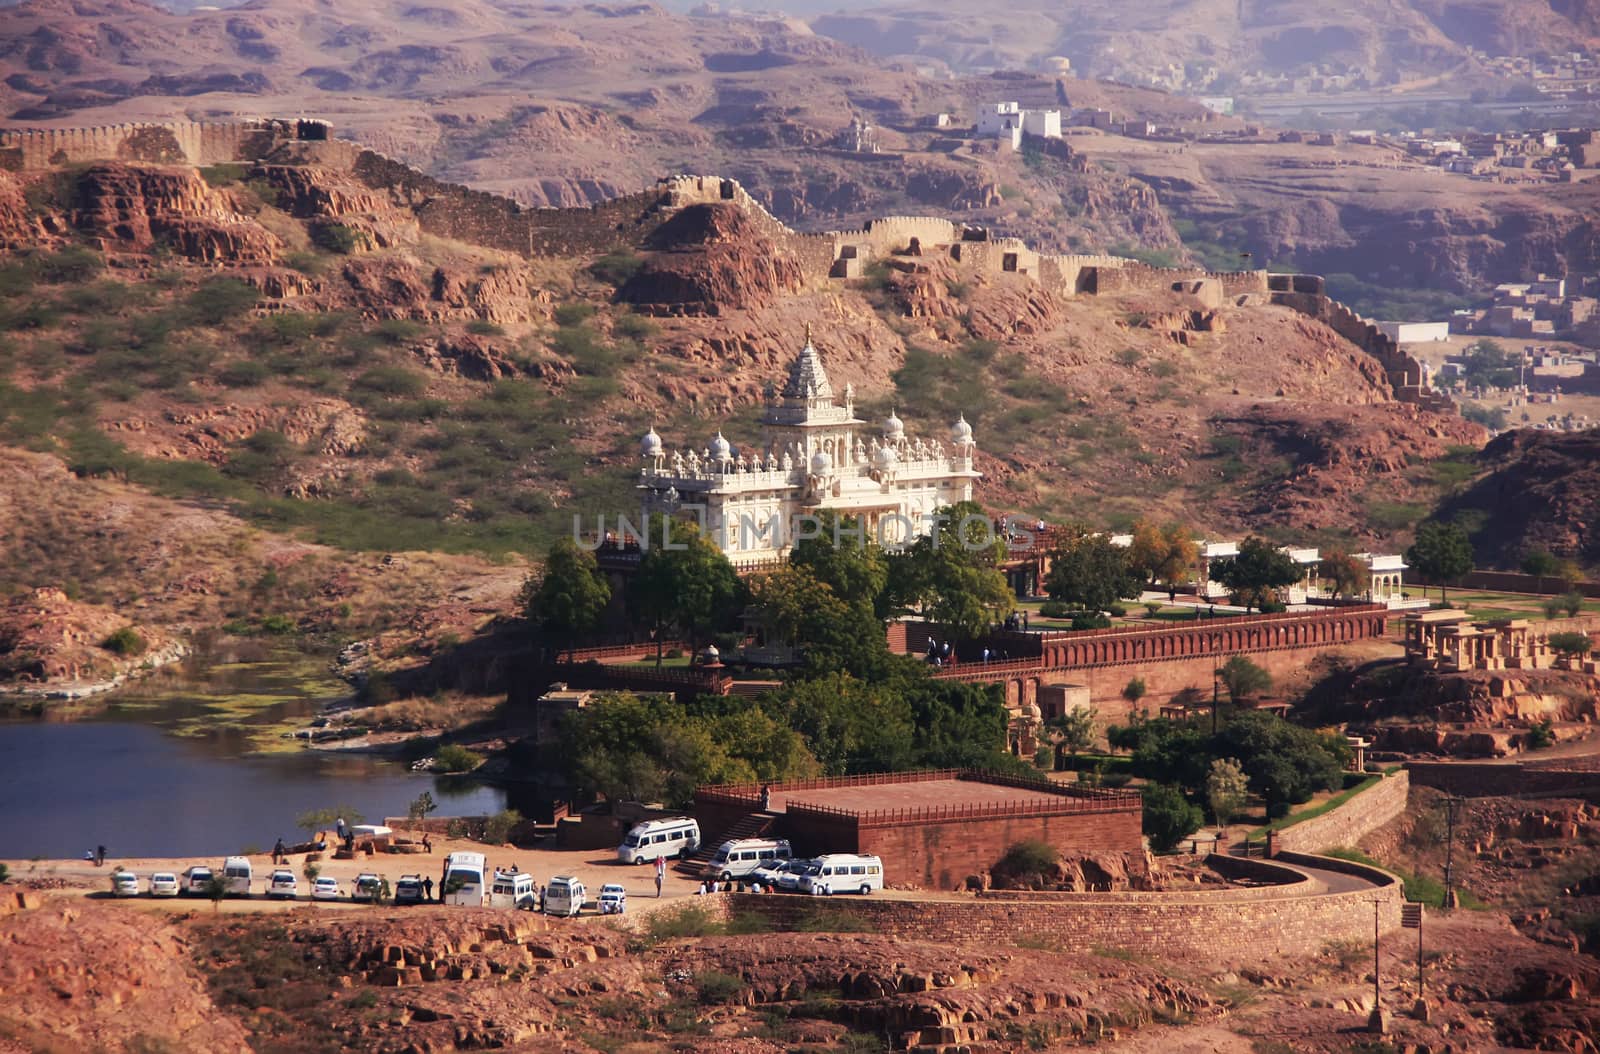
{"type": "Point", "coordinates": [1213, 926]}
{"type": "Point", "coordinates": [1134, 277]}
{"type": "Point", "coordinates": [176, 142]}
{"type": "Point", "coordinates": [1349, 823]}
{"type": "Point", "coordinates": [1304, 294]}
{"type": "Point", "coordinates": [1487, 780]}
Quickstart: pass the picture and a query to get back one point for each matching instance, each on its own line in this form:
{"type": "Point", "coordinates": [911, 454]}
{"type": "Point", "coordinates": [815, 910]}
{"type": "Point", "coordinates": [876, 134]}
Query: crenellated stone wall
{"type": "Point", "coordinates": [1307, 295]}
{"type": "Point", "coordinates": [176, 142]}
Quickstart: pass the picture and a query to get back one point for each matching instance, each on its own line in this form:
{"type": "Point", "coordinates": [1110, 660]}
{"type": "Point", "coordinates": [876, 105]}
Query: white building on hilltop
{"type": "Point", "coordinates": [815, 455]}
{"type": "Point", "coordinates": [1008, 120]}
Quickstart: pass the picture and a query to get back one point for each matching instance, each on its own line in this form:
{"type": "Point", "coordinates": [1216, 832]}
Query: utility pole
{"type": "Point", "coordinates": [1451, 802]}
{"type": "Point", "coordinates": [1411, 919]}
{"type": "Point", "coordinates": [1375, 1023]}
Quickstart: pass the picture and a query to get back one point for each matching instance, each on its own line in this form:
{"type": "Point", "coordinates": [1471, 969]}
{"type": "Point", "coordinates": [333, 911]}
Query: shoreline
{"type": "Point", "coordinates": [33, 700]}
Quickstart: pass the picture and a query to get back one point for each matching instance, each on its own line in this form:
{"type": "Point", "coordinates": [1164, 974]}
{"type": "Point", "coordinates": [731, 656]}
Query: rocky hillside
{"type": "Point", "coordinates": [1381, 41]}
{"type": "Point", "coordinates": [353, 374]}
{"type": "Point", "coordinates": [1539, 490]}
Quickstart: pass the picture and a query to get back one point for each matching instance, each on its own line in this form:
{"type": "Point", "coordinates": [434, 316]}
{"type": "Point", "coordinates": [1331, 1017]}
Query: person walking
{"type": "Point", "coordinates": [427, 846]}
{"type": "Point", "coordinates": [427, 888]}
{"type": "Point", "coordinates": [278, 855]}
{"type": "Point", "coordinates": [661, 874]}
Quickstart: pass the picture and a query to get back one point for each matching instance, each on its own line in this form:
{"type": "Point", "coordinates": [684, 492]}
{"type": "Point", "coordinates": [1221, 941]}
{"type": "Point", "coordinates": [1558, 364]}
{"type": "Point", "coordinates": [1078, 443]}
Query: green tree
{"type": "Point", "coordinates": [1540, 563]}
{"type": "Point", "coordinates": [1259, 570]}
{"type": "Point", "coordinates": [1032, 864]}
{"type": "Point", "coordinates": [951, 574]}
{"type": "Point", "coordinates": [1163, 555]}
{"type": "Point", "coordinates": [1569, 645]}
{"type": "Point", "coordinates": [1090, 571]}
{"type": "Point", "coordinates": [568, 599]}
{"type": "Point", "coordinates": [1442, 553]}
{"type": "Point", "coordinates": [422, 805]}
{"type": "Point", "coordinates": [1243, 679]}
{"type": "Point", "coordinates": [1344, 572]}
{"type": "Point", "coordinates": [847, 560]}
{"type": "Point", "coordinates": [216, 889]}
{"type": "Point", "coordinates": [1285, 764]}
{"type": "Point", "coordinates": [1073, 729]}
{"type": "Point", "coordinates": [1133, 691]}
{"type": "Point", "coordinates": [312, 871]}
{"type": "Point", "coordinates": [687, 583]}
{"type": "Point", "coordinates": [851, 726]}
{"type": "Point", "coordinates": [1169, 817]}
{"type": "Point", "coordinates": [1226, 789]}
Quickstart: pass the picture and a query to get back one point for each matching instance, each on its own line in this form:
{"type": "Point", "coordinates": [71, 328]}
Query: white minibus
{"type": "Point", "coordinates": [464, 879]}
{"type": "Point", "coordinates": [236, 876]}
{"type": "Point", "coordinates": [843, 873]}
{"type": "Point", "coordinates": [737, 859]}
{"type": "Point", "coordinates": [651, 839]}
{"type": "Point", "coordinates": [564, 896]}
{"type": "Point", "coordinates": [513, 889]}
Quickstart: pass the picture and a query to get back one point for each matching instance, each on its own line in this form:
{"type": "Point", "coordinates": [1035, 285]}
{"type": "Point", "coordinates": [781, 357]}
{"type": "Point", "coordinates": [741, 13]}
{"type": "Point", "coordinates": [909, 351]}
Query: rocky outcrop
{"type": "Point", "coordinates": [56, 647]}
{"type": "Point", "coordinates": [1541, 491]}
{"type": "Point", "coordinates": [101, 977]}
{"type": "Point", "coordinates": [134, 207]}
{"type": "Point", "coordinates": [709, 259]}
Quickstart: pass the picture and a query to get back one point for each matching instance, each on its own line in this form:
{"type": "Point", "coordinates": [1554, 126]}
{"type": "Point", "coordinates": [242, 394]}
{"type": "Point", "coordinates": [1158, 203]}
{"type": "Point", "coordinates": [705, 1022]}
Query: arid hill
{"type": "Point", "coordinates": [1540, 490]}
{"type": "Point", "coordinates": [1385, 42]}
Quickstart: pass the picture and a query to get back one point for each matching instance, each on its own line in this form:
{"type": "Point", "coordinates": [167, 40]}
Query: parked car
{"type": "Point", "coordinates": [197, 881]}
{"type": "Point", "coordinates": [124, 884]}
{"type": "Point", "coordinates": [367, 888]}
{"type": "Point", "coordinates": [794, 872]}
{"type": "Point", "coordinates": [408, 890]}
{"type": "Point", "coordinates": [613, 899]}
{"type": "Point", "coordinates": [163, 884]}
{"type": "Point", "coordinates": [325, 888]}
{"type": "Point", "coordinates": [282, 883]}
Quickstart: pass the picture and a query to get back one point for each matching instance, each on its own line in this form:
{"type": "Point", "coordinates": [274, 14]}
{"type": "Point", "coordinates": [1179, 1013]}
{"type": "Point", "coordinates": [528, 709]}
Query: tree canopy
{"type": "Point", "coordinates": [566, 602]}
{"type": "Point", "coordinates": [1087, 570]}
{"type": "Point", "coordinates": [1442, 552]}
{"type": "Point", "coordinates": [689, 585]}
{"type": "Point", "coordinates": [1257, 573]}
{"type": "Point", "coordinates": [1164, 555]}
{"type": "Point", "coordinates": [951, 575]}
{"type": "Point", "coordinates": [1243, 679]}
{"type": "Point", "coordinates": [1344, 572]}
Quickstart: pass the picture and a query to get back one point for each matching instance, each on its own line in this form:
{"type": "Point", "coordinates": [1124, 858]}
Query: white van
{"type": "Point", "coordinates": [564, 896]}
{"type": "Point", "coordinates": [236, 876]}
{"type": "Point", "coordinates": [464, 879]}
{"type": "Point", "coordinates": [197, 881]}
{"type": "Point", "coordinates": [843, 873]}
{"type": "Point", "coordinates": [651, 839]}
{"type": "Point", "coordinates": [513, 889]}
{"type": "Point", "coordinates": [739, 858]}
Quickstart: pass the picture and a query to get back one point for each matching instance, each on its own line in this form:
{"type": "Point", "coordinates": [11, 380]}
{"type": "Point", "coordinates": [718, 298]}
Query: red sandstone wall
{"type": "Point", "coordinates": [942, 855]}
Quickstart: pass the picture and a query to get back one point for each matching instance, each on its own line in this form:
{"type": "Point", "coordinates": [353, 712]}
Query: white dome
{"type": "Point", "coordinates": [650, 445]}
{"type": "Point", "coordinates": [893, 427]}
{"type": "Point", "coordinates": [885, 458]}
{"type": "Point", "coordinates": [721, 449]}
{"type": "Point", "coordinates": [821, 463]}
{"type": "Point", "coordinates": [961, 432]}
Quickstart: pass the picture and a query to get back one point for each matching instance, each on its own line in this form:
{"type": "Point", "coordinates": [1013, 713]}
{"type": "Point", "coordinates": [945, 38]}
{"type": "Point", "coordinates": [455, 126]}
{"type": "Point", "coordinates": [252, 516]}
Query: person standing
{"type": "Point", "coordinates": [99, 856]}
{"type": "Point", "coordinates": [661, 874]}
{"type": "Point", "coordinates": [427, 888]}
{"type": "Point", "coordinates": [338, 825]}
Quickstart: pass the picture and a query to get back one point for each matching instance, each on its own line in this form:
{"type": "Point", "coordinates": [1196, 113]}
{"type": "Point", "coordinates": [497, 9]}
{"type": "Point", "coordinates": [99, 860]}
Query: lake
{"type": "Point", "coordinates": [193, 762]}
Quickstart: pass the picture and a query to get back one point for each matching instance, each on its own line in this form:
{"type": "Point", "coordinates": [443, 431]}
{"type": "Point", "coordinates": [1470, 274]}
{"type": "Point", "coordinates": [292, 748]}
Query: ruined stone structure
{"type": "Point", "coordinates": [1452, 641]}
{"type": "Point", "coordinates": [1307, 293]}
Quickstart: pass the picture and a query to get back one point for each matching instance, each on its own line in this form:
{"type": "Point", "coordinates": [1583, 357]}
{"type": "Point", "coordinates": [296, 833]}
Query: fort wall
{"type": "Point", "coordinates": [1214, 926]}
{"type": "Point", "coordinates": [1486, 780]}
{"type": "Point", "coordinates": [1350, 822]}
{"type": "Point", "coordinates": [1306, 294]}
{"type": "Point", "coordinates": [176, 142]}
